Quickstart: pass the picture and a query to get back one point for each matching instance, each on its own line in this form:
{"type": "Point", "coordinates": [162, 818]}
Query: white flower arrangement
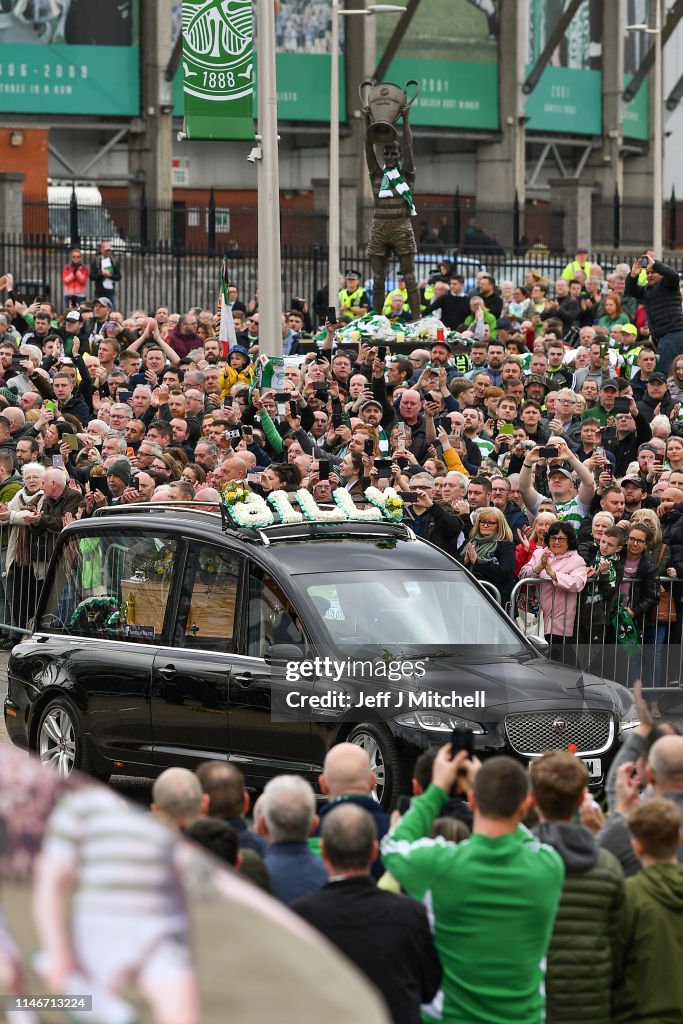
{"type": "Point", "coordinates": [312, 511]}
{"type": "Point", "coordinates": [346, 503]}
{"type": "Point", "coordinates": [250, 511]}
{"type": "Point", "coordinates": [387, 502]}
{"type": "Point", "coordinates": [284, 508]}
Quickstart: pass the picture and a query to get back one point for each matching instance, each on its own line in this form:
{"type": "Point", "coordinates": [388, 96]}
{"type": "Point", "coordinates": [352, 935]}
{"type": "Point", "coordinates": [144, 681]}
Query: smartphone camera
{"type": "Point", "coordinates": [462, 739]}
{"type": "Point", "coordinates": [383, 467]}
{"type": "Point", "coordinates": [324, 469]}
{"type": "Point", "coordinates": [644, 262]}
{"type": "Point", "coordinates": [369, 447]}
{"type": "Point", "coordinates": [382, 352]}
{"type": "Point", "coordinates": [549, 451]}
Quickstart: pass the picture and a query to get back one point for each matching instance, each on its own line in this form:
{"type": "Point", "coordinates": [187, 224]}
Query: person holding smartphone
{"type": "Point", "coordinates": [660, 295]}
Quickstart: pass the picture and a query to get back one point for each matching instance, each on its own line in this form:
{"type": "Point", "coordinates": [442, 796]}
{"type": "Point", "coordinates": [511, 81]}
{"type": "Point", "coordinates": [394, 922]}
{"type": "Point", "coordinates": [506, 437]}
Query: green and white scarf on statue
{"type": "Point", "coordinates": [393, 183]}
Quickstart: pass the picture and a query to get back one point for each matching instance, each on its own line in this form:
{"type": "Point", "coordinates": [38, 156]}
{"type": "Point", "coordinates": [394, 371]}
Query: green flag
{"type": "Point", "coordinates": [218, 66]}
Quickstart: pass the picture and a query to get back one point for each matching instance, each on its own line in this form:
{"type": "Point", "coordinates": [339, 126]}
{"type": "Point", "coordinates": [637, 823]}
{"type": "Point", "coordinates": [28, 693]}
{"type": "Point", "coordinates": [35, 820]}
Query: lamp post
{"type": "Point", "coordinates": [266, 155]}
{"type": "Point", "coordinates": [333, 230]}
{"type": "Point", "coordinates": [657, 133]}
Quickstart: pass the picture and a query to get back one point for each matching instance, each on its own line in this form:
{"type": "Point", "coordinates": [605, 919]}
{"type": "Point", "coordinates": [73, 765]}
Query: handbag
{"type": "Point", "coordinates": [666, 609]}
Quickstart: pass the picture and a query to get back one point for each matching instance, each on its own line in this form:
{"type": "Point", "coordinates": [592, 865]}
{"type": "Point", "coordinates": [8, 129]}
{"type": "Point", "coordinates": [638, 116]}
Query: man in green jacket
{"type": "Point", "coordinates": [582, 953]}
{"type": "Point", "coordinates": [651, 948]}
{"type": "Point", "coordinates": [493, 897]}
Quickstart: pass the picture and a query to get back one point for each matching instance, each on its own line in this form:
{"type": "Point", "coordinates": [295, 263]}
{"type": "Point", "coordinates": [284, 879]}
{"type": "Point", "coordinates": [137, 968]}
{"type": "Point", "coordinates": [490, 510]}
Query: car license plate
{"type": "Point", "coordinates": [594, 766]}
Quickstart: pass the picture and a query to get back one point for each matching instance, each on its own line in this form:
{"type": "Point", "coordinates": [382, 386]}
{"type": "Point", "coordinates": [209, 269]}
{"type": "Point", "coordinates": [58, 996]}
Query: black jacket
{"type": "Point", "coordinates": [672, 534]}
{"type": "Point", "coordinates": [644, 595]}
{"type": "Point", "coordinates": [625, 449]}
{"type": "Point", "coordinates": [387, 936]}
{"type": "Point", "coordinates": [454, 309]}
{"type": "Point", "coordinates": [440, 525]}
{"type": "Point", "coordinates": [647, 405]}
{"type": "Point", "coordinates": [500, 573]}
{"type": "Point", "coordinates": [662, 300]}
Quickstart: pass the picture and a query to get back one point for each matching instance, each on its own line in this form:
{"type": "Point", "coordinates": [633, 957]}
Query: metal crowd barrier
{"type": "Point", "coordinates": [594, 638]}
{"type": "Point", "coordinates": [24, 557]}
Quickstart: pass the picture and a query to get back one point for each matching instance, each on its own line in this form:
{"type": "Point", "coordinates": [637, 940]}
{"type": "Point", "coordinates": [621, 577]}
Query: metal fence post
{"type": "Point", "coordinates": [212, 224]}
{"type": "Point", "coordinates": [457, 217]}
{"type": "Point", "coordinates": [73, 218]}
{"type": "Point", "coordinates": [144, 226]}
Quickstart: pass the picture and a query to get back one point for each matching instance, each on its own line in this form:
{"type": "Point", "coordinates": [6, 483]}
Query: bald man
{"type": "Point", "coordinates": [664, 776]}
{"type": "Point", "coordinates": [178, 798]}
{"type": "Point", "coordinates": [347, 777]}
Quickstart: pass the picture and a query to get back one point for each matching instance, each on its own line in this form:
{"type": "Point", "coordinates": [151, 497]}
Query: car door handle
{"type": "Point", "coordinates": [168, 671]}
{"type": "Point", "coordinates": [247, 678]}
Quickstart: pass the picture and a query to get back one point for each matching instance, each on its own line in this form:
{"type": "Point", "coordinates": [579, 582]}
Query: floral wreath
{"type": "Point", "coordinates": [251, 511]}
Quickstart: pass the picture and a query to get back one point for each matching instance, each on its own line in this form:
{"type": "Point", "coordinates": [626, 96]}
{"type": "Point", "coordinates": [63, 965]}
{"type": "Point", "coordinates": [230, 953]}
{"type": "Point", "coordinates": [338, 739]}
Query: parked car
{"type": "Point", "coordinates": [164, 637]}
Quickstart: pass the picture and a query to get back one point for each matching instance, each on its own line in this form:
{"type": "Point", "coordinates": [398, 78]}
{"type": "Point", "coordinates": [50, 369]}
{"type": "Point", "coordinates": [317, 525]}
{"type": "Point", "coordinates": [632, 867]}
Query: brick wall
{"type": "Point", "coordinates": [30, 158]}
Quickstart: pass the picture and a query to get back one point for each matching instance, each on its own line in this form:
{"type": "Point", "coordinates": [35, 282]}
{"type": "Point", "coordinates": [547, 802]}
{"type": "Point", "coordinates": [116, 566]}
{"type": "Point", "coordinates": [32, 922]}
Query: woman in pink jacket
{"type": "Point", "coordinates": [565, 574]}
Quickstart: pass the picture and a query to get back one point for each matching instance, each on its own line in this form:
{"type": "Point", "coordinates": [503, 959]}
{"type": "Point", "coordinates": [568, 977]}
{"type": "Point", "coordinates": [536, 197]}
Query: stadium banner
{"type": "Point", "coordinates": [69, 57]}
{"type": "Point", "coordinates": [218, 69]}
{"type": "Point", "coordinates": [459, 77]}
{"type": "Point", "coordinates": [568, 96]}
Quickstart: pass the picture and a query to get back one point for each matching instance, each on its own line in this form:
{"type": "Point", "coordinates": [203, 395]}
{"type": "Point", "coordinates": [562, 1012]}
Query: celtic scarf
{"type": "Point", "coordinates": [393, 183]}
{"type": "Point", "coordinates": [592, 593]}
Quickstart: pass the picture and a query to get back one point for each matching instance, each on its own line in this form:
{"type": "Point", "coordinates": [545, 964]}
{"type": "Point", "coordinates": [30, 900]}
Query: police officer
{"type": "Point", "coordinates": [353, 300]}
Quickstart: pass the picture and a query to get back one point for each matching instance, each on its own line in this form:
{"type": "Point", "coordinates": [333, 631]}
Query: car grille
{"type": "Point", "coordinates": [537, 731]}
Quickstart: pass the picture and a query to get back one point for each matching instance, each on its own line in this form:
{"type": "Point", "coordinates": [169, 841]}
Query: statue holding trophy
{"type": "Point", "coordinates": [393, 183]}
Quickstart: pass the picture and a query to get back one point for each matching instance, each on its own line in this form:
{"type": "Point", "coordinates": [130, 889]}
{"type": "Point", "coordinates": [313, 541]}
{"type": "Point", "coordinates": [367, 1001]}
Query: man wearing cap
{"type": "Point", "coordinates": [536, 388]}
{"type": "Point", "coordinates": [635, 494]}
{"type": "Point", "coordinates": [604, 408]}
{"type": "Point", "coordinates": [391, 229]}
{"type": "Point", "coordinates": [572, 503]}
{"type": "Point", "coordinates": [440, 354]}
{"type": "Point", "coordinates": [104, 273]}
{"type": "Point", "coordinates": [118, 478]}
{"type": "Point", "coordinates": [353, 299]}
{"type": "Point", "coordinates": [73, 327]}
{"type": "Point", "coordinates": [371, 412]}
{"type": "Point", "coordinates": [661, 298]}
{"type": "Point", "coordinates": [101, 311]}
{"type": "Point", "coordinates": [657, 398]}
{"type": "Point", "coordinates": [580, 263]}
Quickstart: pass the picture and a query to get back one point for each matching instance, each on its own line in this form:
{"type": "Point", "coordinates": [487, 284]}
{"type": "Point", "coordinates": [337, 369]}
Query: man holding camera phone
{"type": "Point", "coordinates": [662, 301]}
{"type": "Point", "coordinates": [572, 503]}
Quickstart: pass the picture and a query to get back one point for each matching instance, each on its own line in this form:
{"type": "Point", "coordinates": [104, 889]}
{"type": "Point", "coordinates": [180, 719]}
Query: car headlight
{"type": "Point", "coordinates": [630, 720]}
{"type": "Point", "coordinates": [434, 722]}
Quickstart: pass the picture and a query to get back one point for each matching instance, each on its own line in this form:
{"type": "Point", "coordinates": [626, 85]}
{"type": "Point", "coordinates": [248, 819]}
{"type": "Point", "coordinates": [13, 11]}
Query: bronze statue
{"type": "Point", "coordinates": [392, 188]}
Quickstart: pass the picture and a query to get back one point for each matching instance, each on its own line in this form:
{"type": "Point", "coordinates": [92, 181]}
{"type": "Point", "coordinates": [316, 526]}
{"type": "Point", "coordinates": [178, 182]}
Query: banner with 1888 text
{"type": "Point", "coordinates": [218, 66]}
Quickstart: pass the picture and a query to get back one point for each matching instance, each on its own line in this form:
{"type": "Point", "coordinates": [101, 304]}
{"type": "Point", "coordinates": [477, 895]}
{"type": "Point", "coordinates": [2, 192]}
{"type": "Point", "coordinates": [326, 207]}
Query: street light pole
{"type": "Point", "coordinates": [657, 136]}
{"type": "Point", "coordinates": [334, 201]}
{"type": "Point", "coordinates": [657, 132]}
{"type": "Point", "coordinates": [269, 262]}
{"type": "Point", "coordinates": [334, 211]}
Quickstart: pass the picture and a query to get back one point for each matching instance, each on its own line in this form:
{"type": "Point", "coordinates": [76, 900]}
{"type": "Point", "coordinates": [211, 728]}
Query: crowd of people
{"type": "Point", "coordinates": [583, 904]}
{"type": "Point", "coordinates": [529, 445]}
{"type": "Point", "coordinates": [541, 450]}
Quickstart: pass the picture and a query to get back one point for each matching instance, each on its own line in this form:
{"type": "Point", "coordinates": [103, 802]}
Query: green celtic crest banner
{"type": "Point", "coordinates": [218, 66]}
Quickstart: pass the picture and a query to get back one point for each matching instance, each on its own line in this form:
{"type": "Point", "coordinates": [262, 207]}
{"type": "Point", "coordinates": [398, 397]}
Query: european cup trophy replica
{"type": "Point", "coordinates": [393, 183]}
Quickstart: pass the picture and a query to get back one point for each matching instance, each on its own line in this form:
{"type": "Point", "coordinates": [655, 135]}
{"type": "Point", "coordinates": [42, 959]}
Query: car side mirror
{"type": "Point", "coordinates": [540, 644]}
{"type": "Point", "coordinates": [281, 653]}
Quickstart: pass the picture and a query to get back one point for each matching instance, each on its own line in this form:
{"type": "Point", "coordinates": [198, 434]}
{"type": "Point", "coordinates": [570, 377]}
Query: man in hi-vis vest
{"type": "Point", "coordinates": [392, 230]}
